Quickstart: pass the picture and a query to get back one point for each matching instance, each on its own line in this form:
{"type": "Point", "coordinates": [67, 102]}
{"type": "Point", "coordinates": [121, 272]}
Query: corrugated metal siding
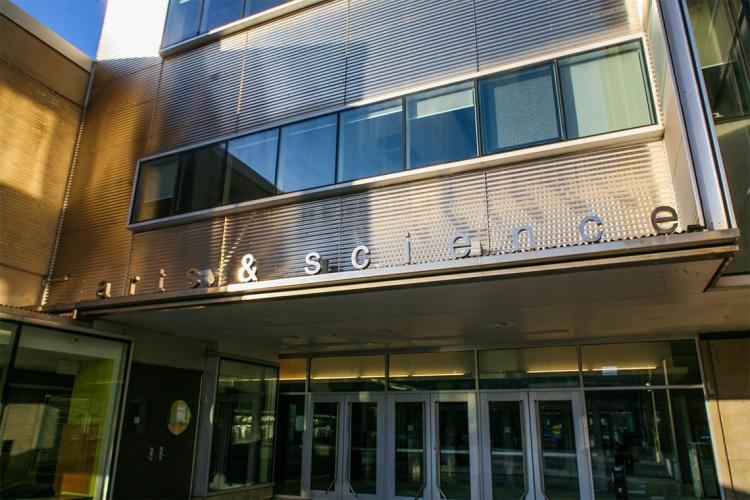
{"type": "Point", "coordinates": [295, 65]}
{"type": "Point", "coordinates": [394, 44]}
{"type": "Point", "coordinates": [510, 30]}
{"type": "Point", "coordinates": [198, 94]}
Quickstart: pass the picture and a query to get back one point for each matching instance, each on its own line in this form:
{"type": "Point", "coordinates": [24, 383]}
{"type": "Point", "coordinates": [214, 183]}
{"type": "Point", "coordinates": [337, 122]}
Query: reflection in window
{"type": "Point", "coordinates": [64, 390]}
{"type": "Point", "coordinates": [370, 141]}
{"type": "Point", "coordinates": [183, 19]}
{"type": "Point", "coordinates": [201, 178]}
{"type": "Point", "coordinates": [255, 6]}
{"type": "Point", "coordinates": [308, 154]}
{"type": "Point", "coordinates": [519, 109]}
{"type": "Point", "coordinates": [528, 368]}
{"type": "Point", "coordinates": [431, 371]}
{"type": "Point", "coordinates": [355, 373]}
{"type": "Point", "coordinates": [7, 333]}
{"type": "Point", "coordinates": [156, 186]}
{"type": "Point", "coordinates": [244, 423]}
{"type": "Point", "coordinates": [251, 166]}
{"type": "Point", "coordinates": [605, 90]}
{"type": "Point", "coordinates": [292, 375]}
{"type": "Point", "coordinates": [288, 466]}
{"type": "Point", "coordinates": [441, 126]}
{"type": "Point", "coordinates": [219, 12]}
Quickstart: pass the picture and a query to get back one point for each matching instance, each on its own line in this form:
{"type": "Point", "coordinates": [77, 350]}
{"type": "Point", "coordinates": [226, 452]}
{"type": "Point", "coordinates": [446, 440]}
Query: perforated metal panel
{"type": "Point", "coordinates": [295, 65]}
{"type": "Point", "coordinates": [510, 30]}
{"type": "Point", "coordinates": [394, 44]}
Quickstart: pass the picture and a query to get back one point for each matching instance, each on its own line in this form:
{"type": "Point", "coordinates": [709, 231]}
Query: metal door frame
{"type": "Point", "coordinates": [338, 488]}
{"type": "Point", "coordinates": [380, 485]}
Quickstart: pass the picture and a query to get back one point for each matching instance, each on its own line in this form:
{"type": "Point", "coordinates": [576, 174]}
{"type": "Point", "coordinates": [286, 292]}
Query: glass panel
{"type": "Point", "coordinates": [60, 416]}
{"type": "Point", "coordinates": [363, 447]}
{"type": "Point", "coordinates": [251, 167]}
{"type": "Point", "coordinates": [292, 375]}
{"type": "Point", "coordinates": [454, 478]}
{"type": "Point", "coordinates": [308, 154]}
{"type": "Point", "coordinates": [640, 363]}
{"type": "Point", "coordinates": [156, 188]}
{"type": "Point", "coordinates": [220, 12]}
{"type": "Point", "coordinates": [356, 373]}
{"type": "Point", "coordinates": [183, 19]}
{"type": "Point", "coordinates": [631, 445]}
{"type": "Point", "coordinates": [370, 141]}
{"type": "Point", "coordinates": [528, 368]}
{"type": "Point", "coordinates": [605, 90]}
{"type": "Point", "coordinates": [288, 467]}
{"type": "Point", "coordinates": [519, 109]}
{"type": "Point", "coordinates": [324, 446]}
{"type": "Point", "coordinates": [694, 449]}
{"type": "Point", "coordinates": [558, 448]}
{"type": "Point", "coordinates": [441, 126]}
{"type": "Point", "coordinates": [507, 449]}
{"type": "Point", "coordinates": [431, 371]}
{"type": "Point", "coordinates": [201, 178]}
{"type": "Point", "coordinates": [410, 451]}
{"type": "Point", "coordinates": [244, 419]}
{"type": "Point", "coordinates": [255, 6]}
{"type": "Point", "coordinates": [7, 331]}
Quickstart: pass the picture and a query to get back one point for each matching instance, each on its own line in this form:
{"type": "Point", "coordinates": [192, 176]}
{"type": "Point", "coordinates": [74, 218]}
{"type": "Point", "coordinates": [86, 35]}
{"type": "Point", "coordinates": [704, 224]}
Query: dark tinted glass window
{"type": "Point", "coordinates": [519, 109]}
{"type": "Point", "coordinates": [183, 20]}
{"type": "Point", "coordinates": [441, 126]}
{"type": "Point", "coordinates": [255, 6]}
{"type": "Point", "coordinates": [370, 141]}
{"type": "Point", "coordinates": [251, 166]}
{"type": "Point", "coordinates": [308, 154]}
{"type": "Point", "coordinates": [605, 90]}
{"type": "Point", "coordinates": [201, 178]}
{"type": "Point", "coordinates": [219, 12]}
{"type": "Point", "coordinates": [156, 186]}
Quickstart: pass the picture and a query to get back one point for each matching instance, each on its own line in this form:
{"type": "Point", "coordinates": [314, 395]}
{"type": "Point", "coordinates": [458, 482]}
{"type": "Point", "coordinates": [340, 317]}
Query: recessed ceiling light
{"type": "Point", "coordinates": [502, 324]}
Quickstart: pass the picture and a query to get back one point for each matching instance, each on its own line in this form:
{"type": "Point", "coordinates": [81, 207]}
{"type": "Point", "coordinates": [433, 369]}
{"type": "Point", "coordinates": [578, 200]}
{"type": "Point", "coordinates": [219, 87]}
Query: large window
{"type": "Point", "coordinates": [605, 90]}
{"type": "Point", "coordinates": [59, 412]}
{"type": "Point", "coordinates": [244, 424]}
{"type": "Point", "coordinates": [189, 18]}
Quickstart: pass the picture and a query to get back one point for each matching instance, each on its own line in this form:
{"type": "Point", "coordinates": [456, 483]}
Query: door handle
{"type": "Point", "coordinates": [162, 454]}
{"type": "Point", "coordinates": [150, 456]}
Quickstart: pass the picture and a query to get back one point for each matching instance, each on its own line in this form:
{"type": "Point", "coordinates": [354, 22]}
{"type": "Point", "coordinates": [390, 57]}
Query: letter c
{"type": "Point", "coordinates": [361, 249]}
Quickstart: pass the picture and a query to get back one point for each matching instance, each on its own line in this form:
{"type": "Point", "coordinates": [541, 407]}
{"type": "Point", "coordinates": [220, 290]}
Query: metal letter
{"type": "Point", "coordinates": [657, 220]}
{"type": "Point", "coordinates": [162, 277]}
{"type": "Point", "coordinates": [582, 229]}
{"type": "Point", "coordinates": [104, 290]}
{"type": "Point", "coordinates": [133, 282]}
{"type": "Point", "coordinates": [460, 249]}
{"type": "Point", "coordinates": [247, 271]}
{"type": "Point", "coordinates": [361, 249]}
{"type": "Point", "coordinates": [313, 263]}
{"type": "Point", "coordinates": [516, 233]}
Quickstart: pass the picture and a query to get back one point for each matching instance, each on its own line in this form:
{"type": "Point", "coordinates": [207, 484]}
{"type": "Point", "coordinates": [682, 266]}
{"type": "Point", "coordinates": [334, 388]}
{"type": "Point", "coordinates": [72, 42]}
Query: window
{"type": "Point", "coordinates": [441, 126]}
{"type": "Point", "coordinates": [201, 178]}
{"type": "Point", "coordinates": [355, 373]}
{"type": "Point", "coordinates": [244, 424]}
{"type": "Point", "coordinates": [251, 166]}
{"type": "Point", "coordinates": [605, 90]}
{"type": "Point", "coordinates": [255, 6]}
{"type": "Point", "coordinates": [519, 109]}
{"type": "Point", "coordinates": [370, 141]}
{"type": "Point", "coordinates": [183, 18]}
{"type": "Point", "coordinates": [156, 185]}
{"type": "Point", "coordinates": [220, 12]}
{"type": "Point", "coordinates": [434, 371]}
{"type": "Point", "coordinates": [308, 154]}
{"type": "Point", "coordinates": [528, 368]}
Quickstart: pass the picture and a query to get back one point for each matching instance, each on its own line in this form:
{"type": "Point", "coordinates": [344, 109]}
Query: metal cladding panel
{"type": "Point", "coordinates": [394, 44]}
{"type": "Point", "coordinates": [137, 88]}
{"type": "Point", "coordinates": [295, 65]}
{"type": "Point", "coordinates": [39, 129]}
{"type": "Point", "coordinates": [89, 257]}
{"type": "Point", "coordinates": [429, 212]}
{"type": "Point", "coordinates": [198, 94]}
{"type": "Point", "coordinates": [176, 250]}
{"type": "Point", "coordinates": [279, 238]}
{"type": "Point", "coordinates": [621, 186]}
{"type": "Point", "coordinates": [510, 30]}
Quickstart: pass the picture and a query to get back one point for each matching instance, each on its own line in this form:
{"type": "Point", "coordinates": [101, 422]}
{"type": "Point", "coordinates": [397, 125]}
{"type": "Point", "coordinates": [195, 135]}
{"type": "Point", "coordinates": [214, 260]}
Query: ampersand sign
{"type": "Point", "coordinates": [247, 271]}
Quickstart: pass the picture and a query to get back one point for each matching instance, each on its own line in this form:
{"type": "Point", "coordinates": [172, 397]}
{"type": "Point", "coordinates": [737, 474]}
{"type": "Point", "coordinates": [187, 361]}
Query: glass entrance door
{"type": "Point", "coordinates": [533, 446]}
{"type": "Point", "coordinates": [343, 456]}
{"type": "Point", "coordinates": [432, 446]}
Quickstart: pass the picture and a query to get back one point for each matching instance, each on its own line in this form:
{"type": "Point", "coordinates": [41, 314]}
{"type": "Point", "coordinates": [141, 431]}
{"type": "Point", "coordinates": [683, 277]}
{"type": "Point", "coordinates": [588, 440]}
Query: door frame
{"type": "Point", "coordinates": [337, 490]}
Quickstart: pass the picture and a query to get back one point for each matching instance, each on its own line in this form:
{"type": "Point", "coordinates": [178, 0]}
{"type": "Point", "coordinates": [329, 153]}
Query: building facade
{"type": "Point", "coordinates": [382, 249]}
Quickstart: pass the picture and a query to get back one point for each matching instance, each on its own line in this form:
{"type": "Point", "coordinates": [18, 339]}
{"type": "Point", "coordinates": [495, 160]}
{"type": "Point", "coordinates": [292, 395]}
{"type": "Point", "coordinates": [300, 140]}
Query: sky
{"type": "Point", "coordinates": [78, 21]}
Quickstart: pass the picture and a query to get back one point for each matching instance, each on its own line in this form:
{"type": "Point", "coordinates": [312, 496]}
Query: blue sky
{"type": "Point", "coordinates": [78, 21]}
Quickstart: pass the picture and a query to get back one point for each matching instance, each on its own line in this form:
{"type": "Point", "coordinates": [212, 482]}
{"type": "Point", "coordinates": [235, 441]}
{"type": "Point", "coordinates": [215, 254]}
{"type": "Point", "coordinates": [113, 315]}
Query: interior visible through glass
{"type": "Point", "coordinates": [454, 474]}
{"type": "Point", "coordinates": [507, 450]}
{"type": "Point", "coordinates": [410, 449]}
{"type": "Point", "coordinates": [557, 444]}
{"type": "Point", "coordinates": [363, 447]}
{"type": "Point", "coordinates": [325, 422]}
{"type": "Point", "coordinates": [288, 459]}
